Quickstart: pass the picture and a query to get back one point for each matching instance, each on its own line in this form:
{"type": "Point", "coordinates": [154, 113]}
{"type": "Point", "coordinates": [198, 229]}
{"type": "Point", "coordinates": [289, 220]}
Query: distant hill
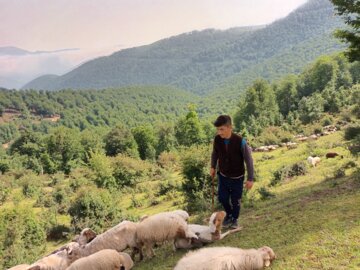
{"type": "Point", "coordinates": [203, 60]}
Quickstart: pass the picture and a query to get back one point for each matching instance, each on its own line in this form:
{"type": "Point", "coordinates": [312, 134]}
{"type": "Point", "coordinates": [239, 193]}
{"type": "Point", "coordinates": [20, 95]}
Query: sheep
{"type": "Point", "coordinates": [206, 234]}
{"type": "Point", "coordinates": [333, 155]}
{"type": "Point", "coordinates": [226, 258]}
{"type": "Point", "coordinates": [106, 259]}
{"type": "Point", "coordinates": [118, 238]}
{"type": "Point", "coordinates": [57, 261]}
{"type": "Point", "coordinates": [20, 267]}
{"type": "Point", "coordinates": [313, 160]}
{"type": "Point", "coordinates": [86, 236]}
{"type": "Point", "coordinates": [167, 226]}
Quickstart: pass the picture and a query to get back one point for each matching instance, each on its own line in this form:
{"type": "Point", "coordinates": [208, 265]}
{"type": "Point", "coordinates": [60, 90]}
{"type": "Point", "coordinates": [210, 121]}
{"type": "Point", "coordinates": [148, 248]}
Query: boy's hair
{"type": "Point", "coordinates": [223, 120]}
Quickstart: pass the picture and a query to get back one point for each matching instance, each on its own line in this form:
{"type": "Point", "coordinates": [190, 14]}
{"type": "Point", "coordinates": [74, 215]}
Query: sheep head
{"type": "Point", "coordinates": [216, 221]}
{"type": "Point", "coordinates": [268, 255]}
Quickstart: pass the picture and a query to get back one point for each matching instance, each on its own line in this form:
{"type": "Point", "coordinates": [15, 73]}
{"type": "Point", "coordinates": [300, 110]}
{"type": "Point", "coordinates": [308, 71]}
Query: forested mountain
{"type": "Point", "coordinates": [202, 61]}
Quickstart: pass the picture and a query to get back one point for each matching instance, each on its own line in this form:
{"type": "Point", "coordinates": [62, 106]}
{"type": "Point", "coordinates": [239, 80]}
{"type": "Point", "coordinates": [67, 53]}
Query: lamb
{"type": "Point", "coordinates": [106, 259]}
{"type": "Point", "coordinates": [313, 160]}
{"type": "Point", "coordinates": [206, 234]}
{"type": "Point", "coordinates": [332, 155]}
{"type": "Point", "coordinates": [86, 236]}
{"type": "Point", "coordinates": [118, 238]}
{"type": "Point", "coordinates": [20, 267]}
{"type": "Point", "coordinates": [227, 258]}
{"type": "Point", "coordinates": [57, 261]}
{"type": "Point", "coordinates": [167, 226]}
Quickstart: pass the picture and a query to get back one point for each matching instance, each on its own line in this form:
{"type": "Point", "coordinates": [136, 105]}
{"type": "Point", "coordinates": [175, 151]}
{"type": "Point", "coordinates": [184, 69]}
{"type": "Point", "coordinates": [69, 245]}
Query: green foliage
{"type": "Point", "coordinates": [265, 194]}
{"type": "Point", "coordinates": [94, 208]}
{"type": "Point", "coordinates": [195, 169]}
{"type": "Point", "coordinates": [128, 171]}
{"type": "Point", "coordinates": [64, 148]}
{"type": "Point", "coordinates": [120, 140]}
{"type": "Point", "coordinates": [166, 138]}
{"type": "Point", "coordinates": [350, 11]}
{"type": "Point", "coordinates": [286, 94]}
{"type": "Point", "coordinates": [145, 140]}
{"type": "Point", "coordinates": [22, 236]}
{"type": "Point", "coordinates": [339, 173]}
{"type": "Point", "coordinates": [102, 167]}
{"type": "Point", "coordinates": [311, 108]}
{"type": "Point", "coordinates": [189, 131]}
{"type": "Point", "coordinates": [286, 172]}
{"type": "Point", "coordinates": [251, 114]}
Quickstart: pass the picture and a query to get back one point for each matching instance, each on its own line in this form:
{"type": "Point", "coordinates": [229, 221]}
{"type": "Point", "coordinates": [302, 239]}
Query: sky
{"type": "Point", "coordinates": [100, 27]}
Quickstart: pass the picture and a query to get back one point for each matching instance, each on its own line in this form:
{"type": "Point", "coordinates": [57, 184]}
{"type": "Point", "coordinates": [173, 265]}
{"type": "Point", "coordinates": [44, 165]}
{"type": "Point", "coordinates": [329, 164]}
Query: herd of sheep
{"type": "Point", "coordinates": [106, 251]}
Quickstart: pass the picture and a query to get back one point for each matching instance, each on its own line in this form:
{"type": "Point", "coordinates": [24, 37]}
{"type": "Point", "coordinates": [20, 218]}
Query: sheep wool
{"type": "Point", "coordinates": [226, 258]}
{"type": "Point", "coordinates": [107, 259]}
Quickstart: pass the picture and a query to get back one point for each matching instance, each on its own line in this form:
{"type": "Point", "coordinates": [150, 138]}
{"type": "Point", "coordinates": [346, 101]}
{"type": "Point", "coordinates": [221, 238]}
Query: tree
{"type": "Point", "coordinates": [311, 108]}
{"type": "Point", "coordinates": [166, 138]}
{"type": "Point", "coordinates": [350, 11]}
{"type": "Point", "coordinates": [322, 74]}
{"type": "Point", "coordinates": [145, 140]}
{"type": "Point", "coordinates": [64, 148]}
{"type": "Point", "coordinates": [286, 94]}
{"type": "Point", "coordinates": [189, 130]}
{"type": "Point", "coordinates": [258, 107]}
{"type": "Point", "coordinates": [120, 140]}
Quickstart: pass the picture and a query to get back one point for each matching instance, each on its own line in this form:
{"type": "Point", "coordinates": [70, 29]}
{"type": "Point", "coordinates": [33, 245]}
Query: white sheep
{"type": "Point", "coordinates": [206, 234]}
{"type": "Point", "coordinates": [106, 259]}
{"type": "Point", "coordinates": [118, 238]}
{"type": "Point", "coordinates": [57, 261]}
{"type": "Point", "coordinates": [226, 258]}
{"type": "Point", "coordinates": [167, 226]}
{"type": "Point", "coordinates": [86, 236]}
{"type": "Point", "coordinates": [20, 267]}
{"type": "Point", "coordinates": [313, 160]}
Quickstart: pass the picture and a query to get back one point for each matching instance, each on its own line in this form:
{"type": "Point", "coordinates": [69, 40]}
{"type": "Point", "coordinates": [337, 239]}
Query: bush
{"type": "Point", "coordinates": [94, 208]}
{"type": "Point", "coordinates": [167, 185]}
{"type": "Point", "coordinates": [22, 236]}
{"type": "Point", "coordinates": [339, 173]}
{"type": "Point", "coordinates": [129, 171]}
{"type": "Point", "coordinates": [286, 172]}
{"type": "Point", "coordinates": [265, 194]}
{"type": "Point", "coordinates": [30, 185]}
{"type": "Point", "coordinates": [351, 132]}
{"type": "Point", "coordinates": [327, 121]}
{"type": "Point", "coordinates": [168, 160]}
{"type": "Point", "coordinates": [197, 182]}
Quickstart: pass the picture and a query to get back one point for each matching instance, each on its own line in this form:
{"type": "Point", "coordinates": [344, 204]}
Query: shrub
{"type": "Point", "coordinates": [197, 183]}
{"type": "Point", "coordinates": [30, 185]}
{"type": "Point", "coordinates": [22, 236]}
{"type": "Point", "coordinates": [129, 171]}
{"type": "Point", "coordinates": [351, 132]}
{"type": "Point", "coordinates": [339, 173]}
{"type": "Point", "coordinates": [94, 208]}
{"type": "Point", "coordinates": [168, 160]}
{"type": "Point", "coordinates": [286, 172]}
{"type": "Point", "coordinates": [265, 194]}
{"type": "Point", "coordinates": [167, 185]}
{"type": "Point", "coordinates": [327, 121]}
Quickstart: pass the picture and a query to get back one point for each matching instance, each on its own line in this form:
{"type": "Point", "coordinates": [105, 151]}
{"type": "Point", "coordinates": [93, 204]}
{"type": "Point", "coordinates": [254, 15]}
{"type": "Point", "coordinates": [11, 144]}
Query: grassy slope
{"type": "Point", "coordinates": [312, 223]}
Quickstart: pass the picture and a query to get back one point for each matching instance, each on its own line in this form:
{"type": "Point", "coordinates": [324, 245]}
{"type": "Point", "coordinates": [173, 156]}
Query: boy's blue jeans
{"type": "Point", "coordinates": [229, 195]}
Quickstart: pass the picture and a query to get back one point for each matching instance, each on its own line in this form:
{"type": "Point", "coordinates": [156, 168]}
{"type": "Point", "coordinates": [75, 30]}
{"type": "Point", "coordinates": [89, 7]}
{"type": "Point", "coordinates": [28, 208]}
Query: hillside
{"type": "Point", "coordinates": [312, 223]}
{"type": "Point", "coordinates": [198, 61]}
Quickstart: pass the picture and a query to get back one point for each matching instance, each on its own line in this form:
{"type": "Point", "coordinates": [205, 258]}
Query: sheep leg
{"type": "Point", "coordinates": [149, 250]}
{"type": "Point", "coordinates": [223, 235]}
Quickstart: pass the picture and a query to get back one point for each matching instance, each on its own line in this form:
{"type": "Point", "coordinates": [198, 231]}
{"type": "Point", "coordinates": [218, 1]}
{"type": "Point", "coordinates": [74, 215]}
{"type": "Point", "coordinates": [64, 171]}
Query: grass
{"type": "Point", "coordinates": [312, 223]}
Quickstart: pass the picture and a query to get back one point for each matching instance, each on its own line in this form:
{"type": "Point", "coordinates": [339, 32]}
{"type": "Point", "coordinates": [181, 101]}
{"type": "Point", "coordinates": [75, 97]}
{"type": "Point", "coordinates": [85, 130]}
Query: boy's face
{"type": "Point", "coordinates": [224, 131]}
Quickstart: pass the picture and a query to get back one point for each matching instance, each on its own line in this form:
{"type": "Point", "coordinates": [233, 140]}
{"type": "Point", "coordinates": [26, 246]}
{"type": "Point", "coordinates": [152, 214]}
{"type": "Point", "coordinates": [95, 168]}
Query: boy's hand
{"type": "Point", "coordinates": [212, 172]}
{"type": "Point", "coordinates": [249, 184]}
